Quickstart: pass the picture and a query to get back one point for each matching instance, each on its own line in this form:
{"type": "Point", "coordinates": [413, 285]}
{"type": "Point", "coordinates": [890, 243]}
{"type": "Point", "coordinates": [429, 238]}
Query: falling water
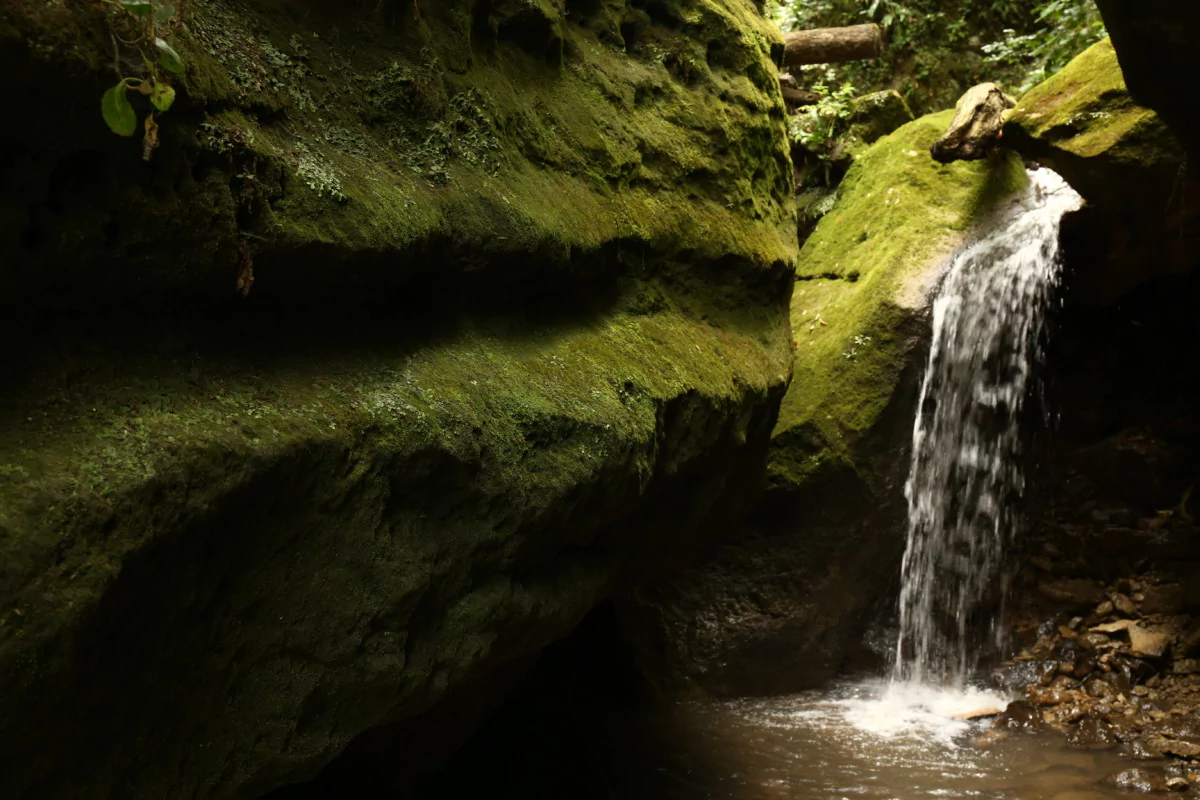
{"type": "Point", "coordinates": [966, 454]}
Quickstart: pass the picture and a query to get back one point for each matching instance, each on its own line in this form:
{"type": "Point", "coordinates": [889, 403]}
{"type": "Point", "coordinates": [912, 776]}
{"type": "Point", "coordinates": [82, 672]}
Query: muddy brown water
{"type": "Point", "coordinates": [853, 742]}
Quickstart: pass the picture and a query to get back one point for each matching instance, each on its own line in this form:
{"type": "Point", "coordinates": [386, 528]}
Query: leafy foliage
{"type": "Point", "coordinates": [1067, 28]}
{"type": "Point", "coordinates": [140, 26]}
{"type": "Point", "coordinates": [818, 128]}
{"type": "Point", "coordinates": [818, 125]}
{"type": "Point", "coordinates": [937, 49]}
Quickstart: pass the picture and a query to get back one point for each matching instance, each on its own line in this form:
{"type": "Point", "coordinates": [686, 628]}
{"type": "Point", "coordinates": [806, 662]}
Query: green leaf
{"type": "Point", "coordinates": [163, 14]}
{"type": "Point", "coordinates": [117, 111]}
{"type": "Point", "coordinates": [162, 96]}
{"type": "Point", "coordinates": [139, 7]}
{"type": "Point", "coordinates": [168, 58]}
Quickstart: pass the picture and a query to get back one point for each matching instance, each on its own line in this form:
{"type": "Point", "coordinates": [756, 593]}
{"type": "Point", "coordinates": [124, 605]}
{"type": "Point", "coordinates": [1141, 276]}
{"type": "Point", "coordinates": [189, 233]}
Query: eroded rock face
{"type": "Point", "coordinates": [785, 608]}
{"type": "Point", "coordinates": [517, 329]}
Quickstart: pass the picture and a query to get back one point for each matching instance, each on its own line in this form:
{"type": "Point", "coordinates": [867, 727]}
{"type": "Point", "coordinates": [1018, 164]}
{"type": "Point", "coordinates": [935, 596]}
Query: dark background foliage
{"type": "Point", "coordinates": [937, 49]}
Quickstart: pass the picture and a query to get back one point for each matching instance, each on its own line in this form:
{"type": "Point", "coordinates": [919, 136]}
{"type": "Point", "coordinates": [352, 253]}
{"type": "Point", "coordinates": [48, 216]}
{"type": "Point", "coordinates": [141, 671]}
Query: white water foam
{"type": "Point", "coordinates": [918, 710]}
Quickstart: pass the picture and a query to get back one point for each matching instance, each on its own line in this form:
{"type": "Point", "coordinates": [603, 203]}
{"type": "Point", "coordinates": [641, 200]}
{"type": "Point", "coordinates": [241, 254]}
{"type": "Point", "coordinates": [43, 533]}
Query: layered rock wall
{"type": "Point", "coordinates": [515, 330]}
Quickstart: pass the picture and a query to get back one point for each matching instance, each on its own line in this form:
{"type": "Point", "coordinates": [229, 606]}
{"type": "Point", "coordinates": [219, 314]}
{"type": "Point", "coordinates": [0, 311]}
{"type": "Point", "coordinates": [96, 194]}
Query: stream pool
{"type": "Point", "coordinates": [855, 741]}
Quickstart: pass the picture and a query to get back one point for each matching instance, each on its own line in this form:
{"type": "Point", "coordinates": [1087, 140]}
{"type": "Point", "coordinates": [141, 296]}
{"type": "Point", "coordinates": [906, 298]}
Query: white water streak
{"type": "Point", "coordinates": [966, 470]}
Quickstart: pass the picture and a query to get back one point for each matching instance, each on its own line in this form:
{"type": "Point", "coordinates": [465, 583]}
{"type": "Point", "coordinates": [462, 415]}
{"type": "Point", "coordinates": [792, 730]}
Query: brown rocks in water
{"type": "Point", "coordinates": [1095, 687]}
{"type": "Point", "coordinates": [1093, 640]}
{"type": "Point", "coordinates": [1137, 780]}
{"type": "Point", "coordinates": [1019, 716]}
{"type": "Point", "coordinates": [1092, 733]}
{"type": "Point", "coordinates": [1104, 609]}
{"type": "Point", "coordinates": [1186, 666]}
{"type": "Point", "coordinates": [975, 130]}
{"type": "Point", "coordinates": [1074, 592]}
{"type": "Point", "coordinates": [1177, 784]}
{"type": "Point", "coordinates": [1173, 747]}
{"type": "Point", "coordinates": [1085, 665]}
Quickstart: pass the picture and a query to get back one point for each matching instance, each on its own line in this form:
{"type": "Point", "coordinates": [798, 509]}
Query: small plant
{"type": "Point", "coordinates": [820, 128]}
{"type": "Point", "coordinates": [819, 125]}
{"type": "Point", "coordinates": [859, 341]}
{"type": "Point", "coordinates": [142, 25]}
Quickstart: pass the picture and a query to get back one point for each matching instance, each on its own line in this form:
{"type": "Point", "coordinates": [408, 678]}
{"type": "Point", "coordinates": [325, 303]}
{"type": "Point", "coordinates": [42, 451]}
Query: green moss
{"type": "Point", "coordinates": [861, 281]}
{"type": "Point", "coordinates": [1086, 111]}
{"type": "Point", "coordinates": [516, 154]}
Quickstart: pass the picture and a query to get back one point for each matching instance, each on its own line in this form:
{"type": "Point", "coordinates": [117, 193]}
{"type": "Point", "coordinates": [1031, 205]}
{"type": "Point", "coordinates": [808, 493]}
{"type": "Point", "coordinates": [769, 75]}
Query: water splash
{"type": "Point", "coordinates": [966, 471]}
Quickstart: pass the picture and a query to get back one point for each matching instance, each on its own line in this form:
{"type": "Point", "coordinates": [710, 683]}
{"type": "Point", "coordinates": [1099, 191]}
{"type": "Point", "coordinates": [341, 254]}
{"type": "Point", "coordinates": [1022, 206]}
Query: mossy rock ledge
{"type": "Point", "coordinates": [785, 609]}
{"type": "Point", "coordinates": [1083, 123]}
{"type": "Point", "coordinates": [517, 332]}
{"type": "Point", "coordinates": [1156, 44]}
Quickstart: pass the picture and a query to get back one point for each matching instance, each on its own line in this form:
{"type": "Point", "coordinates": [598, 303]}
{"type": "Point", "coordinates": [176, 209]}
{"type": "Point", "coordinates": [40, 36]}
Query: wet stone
{"type": "Point", "coordinates": [1124, 605]}
{"type": "Point", "coordinates": [1173, 747]}
{"type": "Point", "coordinates": [1020, 716]}
{"type": "Point", "coordinates": [1137, 780]}
{"type": "Point", "coordinates": [1093, 640]}
{"type": "Point", "coordinates": [1014, 677]}
{"type": "Point", "coordinates": [1147, 643]}
{"type": "Point", "coordinates": [1092, 733]}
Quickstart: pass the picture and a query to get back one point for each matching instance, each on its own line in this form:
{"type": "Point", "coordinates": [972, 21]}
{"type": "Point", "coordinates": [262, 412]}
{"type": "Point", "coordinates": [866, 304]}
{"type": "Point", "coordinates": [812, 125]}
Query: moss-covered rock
{"type": "Point", "coordinates": [784, 609]}
{"type": "Point", "coordinates": [1083, 123]}
{"type": "Point", "coordinates": [516, 331]}
{"type": "Point", "coordinates": [862, 279]}
{"type": "Point", "coordinates": [505, 128]}
{"type": "Point", "coordinates": [1156, 44]}
{"type": "Point", "coordinates": [868, 119]}
{"type": "Point", "coordinates": [875, 115]}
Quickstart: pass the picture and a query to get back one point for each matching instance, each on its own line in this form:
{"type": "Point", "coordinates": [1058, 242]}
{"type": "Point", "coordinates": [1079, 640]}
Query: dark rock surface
{"type": "Point", "coordinates": [516, 330]}
{"type": "Point", "coordinates": [1156, 42]}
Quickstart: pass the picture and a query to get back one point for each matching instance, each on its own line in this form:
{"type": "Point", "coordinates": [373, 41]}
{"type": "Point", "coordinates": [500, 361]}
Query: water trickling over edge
{"type": "Point", "coordinates": [966, 469]}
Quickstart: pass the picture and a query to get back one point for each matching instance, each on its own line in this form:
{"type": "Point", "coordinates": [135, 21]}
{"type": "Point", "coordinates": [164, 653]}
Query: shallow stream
{"type": "Point", "coordinates": [855, 741]}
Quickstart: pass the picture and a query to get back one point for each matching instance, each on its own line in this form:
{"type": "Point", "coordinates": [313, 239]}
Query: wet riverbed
{"type": "Point", "coordinates": [854, 741]}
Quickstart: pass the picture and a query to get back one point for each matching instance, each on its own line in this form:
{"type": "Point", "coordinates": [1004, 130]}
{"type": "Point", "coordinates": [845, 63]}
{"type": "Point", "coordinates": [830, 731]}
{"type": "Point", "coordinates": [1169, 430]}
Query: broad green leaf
{"type": "Point", "coordinates": [117, 111]}
{"type": "Point", "coordinates": [162, 96]}
{"type": "Point", "coordinates": [139, 7]}
{"type": "Point", "coordinates": [168, 58]}
{"type": "Point", "coordinates": [163, 14]}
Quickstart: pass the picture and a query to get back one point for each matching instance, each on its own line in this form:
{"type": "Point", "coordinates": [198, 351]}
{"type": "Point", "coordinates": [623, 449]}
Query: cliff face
{"type": "Point", "coordinates": [516, 328]}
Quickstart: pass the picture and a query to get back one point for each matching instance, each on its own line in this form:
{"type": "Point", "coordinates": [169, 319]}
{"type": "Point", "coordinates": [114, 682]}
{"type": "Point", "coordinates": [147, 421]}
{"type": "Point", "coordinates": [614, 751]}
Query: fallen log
{"type": "Point", "coordinates": [832, 45]}
{"type": "Point", "coordinates": [975, 131]}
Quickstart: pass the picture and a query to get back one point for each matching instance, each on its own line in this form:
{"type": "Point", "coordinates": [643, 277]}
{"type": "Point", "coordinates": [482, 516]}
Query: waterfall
{"type": "Point", "coordinates": [966, 470]}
